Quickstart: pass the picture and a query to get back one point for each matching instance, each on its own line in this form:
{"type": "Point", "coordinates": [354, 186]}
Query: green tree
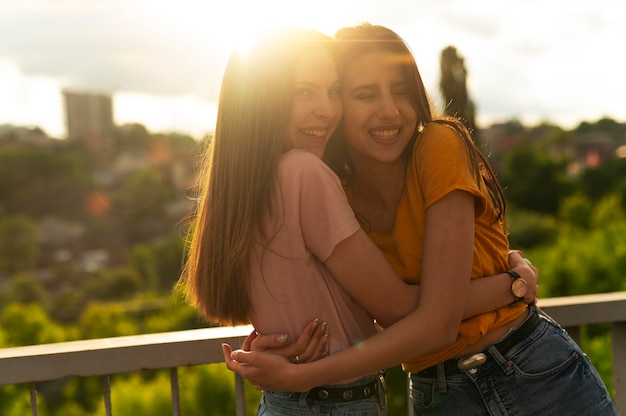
{"type": "Point", "coordinates": [534, 181]}
{"type": "Point", "coordinates": [605, 179]}
{"type": "Point", "coordinates": [28, 324]}
{"type": "Point", "coordinates": [113, 284]}
{"type": "Point", "coordinates": [143, 260]}
{"type": "Point", "coordinates": [576, 211]}
{"type": "Point", "coordinates": [585, 260]}
{"type": "Point", "coordinates": [18, 243]}
{"type": "Point", "coordinates": [169, 260]}
{"type": "Point", "coordinates": [105, 321]}
{"type": "Point", "coordinates": [23, 288]}
{"type": "Point", "coordinates": [453, 85]}
{"type": "Point", "coordinates": [529, 229]}
{"type": "Point", "coordinates": [38, 181]}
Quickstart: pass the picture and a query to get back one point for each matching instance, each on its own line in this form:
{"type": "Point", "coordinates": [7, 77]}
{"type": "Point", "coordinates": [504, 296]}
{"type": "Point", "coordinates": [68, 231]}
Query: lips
{"type": "Point", "coordinates": [384, 134]}
{"type": "Point", "coordinates": [314, 132]}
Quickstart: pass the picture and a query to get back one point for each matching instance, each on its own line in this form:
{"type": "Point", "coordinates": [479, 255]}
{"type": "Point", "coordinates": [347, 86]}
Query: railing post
{"type": "Point", "coordinates": [107, 395]}
{"type": "Point", "coordinates": [618, 341]}
{"type": "Point", "coordinates": [33, 399]}
{"type": "Point", "coordinates": [240, 397]}
{"type": "Point", "coordinates": [175, 391]}
{"type": "Point", "coordinates": [574, 332]}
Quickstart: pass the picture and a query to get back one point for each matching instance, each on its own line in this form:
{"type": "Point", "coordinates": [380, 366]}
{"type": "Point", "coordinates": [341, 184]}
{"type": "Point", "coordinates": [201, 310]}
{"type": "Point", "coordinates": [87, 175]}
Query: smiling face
{"type": "Point", "coordinates": [316, 104]}
{"type": "Point", "coordinates": [379, 119]}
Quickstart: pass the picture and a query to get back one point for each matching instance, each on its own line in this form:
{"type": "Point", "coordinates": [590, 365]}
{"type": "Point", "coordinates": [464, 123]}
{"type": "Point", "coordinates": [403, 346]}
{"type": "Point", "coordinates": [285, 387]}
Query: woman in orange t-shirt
{"type": "Point", "coordinates": [430, 201]}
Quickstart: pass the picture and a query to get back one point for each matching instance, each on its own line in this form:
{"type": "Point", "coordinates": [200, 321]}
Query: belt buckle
{"type": "Point", "coordinates": [472, 362]}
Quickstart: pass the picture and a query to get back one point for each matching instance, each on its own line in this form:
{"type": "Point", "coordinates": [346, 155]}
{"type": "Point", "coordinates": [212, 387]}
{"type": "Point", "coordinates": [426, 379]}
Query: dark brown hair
{"type": "Point", "coordinates": [355, 41]}
{"type": "Point", "coordinates": [234, 188]}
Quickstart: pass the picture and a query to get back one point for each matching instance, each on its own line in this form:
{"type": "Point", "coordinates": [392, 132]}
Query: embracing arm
{"type": "Point", "coordinates": [433, 325]}
{"type": "Point", "coordinates": [493, 292]}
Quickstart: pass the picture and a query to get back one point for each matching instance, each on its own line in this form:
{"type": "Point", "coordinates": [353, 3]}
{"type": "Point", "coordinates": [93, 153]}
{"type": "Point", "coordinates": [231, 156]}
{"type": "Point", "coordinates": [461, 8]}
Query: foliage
{"type": "Point", "coordinates": [15, 400]}
{"type": "Point", "coordinates": [534, 181]}
{"type": "Point", "coordinates": [573, 229]}
{"type": "Point", "coordinates": [587, 256]}
{"type": "Point", "coordinates": [28, 324]}
{"type": "Point", "coordinates": [605, 179]}
{"type": "Point", "coordinates": [105, 320]}
{"type": "Point", "coordinates": [453, 86]}
{"type": "Point", "coordinates": [41, 181]}
{"type": "Point", "coordinates": [597, 349]}
{"type": "Point", "coordinates": [112, 284]}
{"type": "Point", "coordinates": [529, 229]}
{"type": "Point", "coordinates": [18, 243]}
{"type": "Point", "coordinates": [24, 288]}
{"type": "Point", "coordinates": [576, 211]}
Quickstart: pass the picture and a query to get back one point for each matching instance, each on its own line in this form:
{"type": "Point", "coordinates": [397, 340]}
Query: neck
{"type": "Point", "coordinates": [376, 191]}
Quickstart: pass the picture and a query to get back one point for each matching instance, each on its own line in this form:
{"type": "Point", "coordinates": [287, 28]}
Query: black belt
{"type": "Point", "coordinates": [343, 394]}
{"type": "Point", "coordinates": [451, 366]}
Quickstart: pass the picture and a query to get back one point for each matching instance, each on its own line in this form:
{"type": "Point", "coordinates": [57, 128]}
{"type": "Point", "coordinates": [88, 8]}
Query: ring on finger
{"type": "Point", "coordinates": [297, 359]}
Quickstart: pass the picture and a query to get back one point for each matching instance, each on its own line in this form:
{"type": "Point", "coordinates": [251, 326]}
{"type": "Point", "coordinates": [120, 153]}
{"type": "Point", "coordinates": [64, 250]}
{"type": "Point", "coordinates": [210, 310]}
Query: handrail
{"type": "Point", "coordinates": [169, 350]}
{"type": "Point", "coordinates": [104, 356]}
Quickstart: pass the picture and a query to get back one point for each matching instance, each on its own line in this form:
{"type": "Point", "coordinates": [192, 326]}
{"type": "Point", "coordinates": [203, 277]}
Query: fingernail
{"type": "Point", "coordinates": [324, 326]}
{"type": "Point", "coordinates": [316, 322]}
{"type": "Point", "coordinates": [282, 338]}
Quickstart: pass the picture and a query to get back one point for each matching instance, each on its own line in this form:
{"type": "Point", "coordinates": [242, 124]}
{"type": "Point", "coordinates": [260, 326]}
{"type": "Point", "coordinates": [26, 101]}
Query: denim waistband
{"type": "Point", "coordinates": [451, 366]}
{"type": "Point", "coordinates": [361, 389]}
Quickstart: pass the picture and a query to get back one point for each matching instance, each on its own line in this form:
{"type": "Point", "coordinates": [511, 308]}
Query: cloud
{"type": "Point", "coordinates": [108, 46]}
{"type": "Point", "coordinates": [523, 57]}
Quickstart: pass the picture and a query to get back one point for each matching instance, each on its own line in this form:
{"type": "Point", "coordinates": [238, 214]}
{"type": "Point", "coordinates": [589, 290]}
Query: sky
{"type": "Point", "coordinates": [162, 61]}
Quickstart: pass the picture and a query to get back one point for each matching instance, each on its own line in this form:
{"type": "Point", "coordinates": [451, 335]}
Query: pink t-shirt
{"type": "Point", "coordinates": [289, 285]}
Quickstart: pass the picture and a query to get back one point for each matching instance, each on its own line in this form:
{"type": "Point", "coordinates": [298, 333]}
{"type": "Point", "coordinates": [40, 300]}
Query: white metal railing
{"type": "Point", "coordinates": [108, 356]}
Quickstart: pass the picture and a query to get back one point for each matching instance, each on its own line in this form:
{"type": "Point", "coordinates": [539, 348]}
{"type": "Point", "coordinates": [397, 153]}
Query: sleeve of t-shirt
{"type": "Point", "coordinates": [315, 193]}
{"type": "Point", "coordinates": [443, 165]}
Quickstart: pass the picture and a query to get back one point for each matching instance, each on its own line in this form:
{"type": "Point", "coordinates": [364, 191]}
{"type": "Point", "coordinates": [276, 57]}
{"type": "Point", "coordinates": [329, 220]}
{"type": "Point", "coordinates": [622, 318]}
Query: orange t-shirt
{"type": "Point", "coordinates": [438, 166]}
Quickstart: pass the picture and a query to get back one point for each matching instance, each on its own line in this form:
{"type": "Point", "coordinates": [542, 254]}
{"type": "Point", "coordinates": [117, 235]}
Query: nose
{"type": "Point", "coordinates": [387, 107]}
{"type": "Point", "coordinates": [325, 108]}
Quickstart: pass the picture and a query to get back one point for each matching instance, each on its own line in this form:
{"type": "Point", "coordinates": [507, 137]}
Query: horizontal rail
{"type": "Point", "coordinates": [104, 356]}
{"type": "Point", "coordinates": [168, 350]}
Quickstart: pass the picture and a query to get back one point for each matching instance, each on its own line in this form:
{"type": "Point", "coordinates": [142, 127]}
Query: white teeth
{"type": "Point", "coordinates": [385, 134]}
{"type": "Point", "coordinates": [316, 133]}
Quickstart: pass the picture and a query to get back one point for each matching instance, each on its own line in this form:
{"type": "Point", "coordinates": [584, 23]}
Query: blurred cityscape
{"type": "Point", "coordinates": [136, 184]}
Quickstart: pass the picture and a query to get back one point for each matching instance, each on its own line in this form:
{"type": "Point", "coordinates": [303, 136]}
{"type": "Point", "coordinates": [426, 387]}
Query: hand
{"type": "Point", "coordinates": [311, 345]}
{"type": "Point", "coordinates": [530, 273]}
{"type": "Point", "coordinates": [265, 371]}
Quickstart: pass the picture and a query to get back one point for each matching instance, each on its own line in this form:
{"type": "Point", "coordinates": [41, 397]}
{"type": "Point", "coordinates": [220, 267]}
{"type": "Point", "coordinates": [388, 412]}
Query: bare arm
{"type": "Point", "coordinates": [433, 325]}
{"type": "Point", "coordinates": [364, 272]}
{"type": "Point", "coordinates": [493, 292]}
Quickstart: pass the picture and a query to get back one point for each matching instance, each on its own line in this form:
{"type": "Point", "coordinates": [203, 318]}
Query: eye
{"type": "Point", "coordinates": [302, 92]}
{"type": "Point", "coordinates": [403, 91]}
{"type": "Point", "coordinates": [365, 96]}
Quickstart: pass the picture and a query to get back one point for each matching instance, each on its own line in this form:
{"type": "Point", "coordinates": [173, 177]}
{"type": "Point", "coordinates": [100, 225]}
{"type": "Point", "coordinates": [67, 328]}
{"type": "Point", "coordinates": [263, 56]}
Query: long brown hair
{"type": "Point", "coordinates": [355, 41]}
{"type": "Point", "coordinates": [235, 185]}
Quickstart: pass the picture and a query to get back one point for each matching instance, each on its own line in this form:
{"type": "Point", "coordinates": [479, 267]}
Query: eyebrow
{"type": "Point", "coordinates": [314, 84]}
{"type": "Point", "coordinates": [368, 87]}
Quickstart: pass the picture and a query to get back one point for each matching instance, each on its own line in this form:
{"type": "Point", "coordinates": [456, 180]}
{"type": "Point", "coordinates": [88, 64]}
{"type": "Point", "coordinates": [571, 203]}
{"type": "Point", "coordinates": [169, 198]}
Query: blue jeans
{"type": "Point", "coordinates": [545, 374]}
{"type": "Point", "coordinates": [280, 403]}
